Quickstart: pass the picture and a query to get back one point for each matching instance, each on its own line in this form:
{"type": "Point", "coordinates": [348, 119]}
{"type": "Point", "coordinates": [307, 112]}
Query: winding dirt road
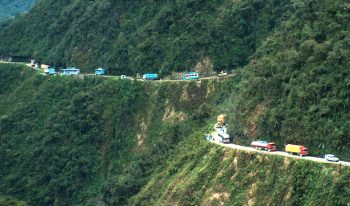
{"type": "Point", "coordinates": [214, 134]}
{"type": "Point", "coordinates": [130, 78]}
{"type": "Point", "coordinates": [280, 153]}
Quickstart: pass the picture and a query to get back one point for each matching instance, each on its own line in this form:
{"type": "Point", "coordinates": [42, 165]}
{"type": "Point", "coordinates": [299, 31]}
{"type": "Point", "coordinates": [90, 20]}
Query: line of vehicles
{"type": "Point", "coordinates": [292, 149]}
{"type": "Point", "coordinates": [73, 71]}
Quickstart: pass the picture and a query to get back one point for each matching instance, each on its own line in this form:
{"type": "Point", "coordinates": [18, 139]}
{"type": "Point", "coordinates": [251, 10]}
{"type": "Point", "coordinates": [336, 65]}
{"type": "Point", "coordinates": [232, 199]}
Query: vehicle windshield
{"type": "Point", "coordinates": [331, 155]}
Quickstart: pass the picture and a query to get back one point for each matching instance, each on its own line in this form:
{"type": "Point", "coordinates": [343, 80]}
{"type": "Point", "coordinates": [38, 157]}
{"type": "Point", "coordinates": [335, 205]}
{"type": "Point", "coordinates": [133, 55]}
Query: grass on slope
{"type": "Point", "coordinates": [200, 173]}
{"type": "Point", "coordinates": [75, 141]}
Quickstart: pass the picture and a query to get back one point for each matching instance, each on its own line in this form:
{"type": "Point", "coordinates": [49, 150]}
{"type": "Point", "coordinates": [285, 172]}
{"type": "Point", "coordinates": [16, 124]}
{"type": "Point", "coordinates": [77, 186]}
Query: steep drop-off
{"type": "Point", "coordinates": [203, 174]}
{"type": "Point", "coordinates": [69, 141]}
{"type": "Point", "coordinates": [96, 141]}
{"type": "Point", "coordinates": [296, 89]}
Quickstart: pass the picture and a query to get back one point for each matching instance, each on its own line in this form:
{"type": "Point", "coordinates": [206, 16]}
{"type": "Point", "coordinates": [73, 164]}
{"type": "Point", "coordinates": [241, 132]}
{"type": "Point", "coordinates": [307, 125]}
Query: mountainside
{"type": "Point", "coordinates": [103, 141]}
{"type": "Point", "coordinates": [296, 88]}
{"type": "Point", "coordinates": [200, 174]}
{"type": "Point", "coordinates": [10, 8]}
{"type": "Point", "coordinates": [68, 141]}
{"type": "Point", "coordinates": [143, 36]}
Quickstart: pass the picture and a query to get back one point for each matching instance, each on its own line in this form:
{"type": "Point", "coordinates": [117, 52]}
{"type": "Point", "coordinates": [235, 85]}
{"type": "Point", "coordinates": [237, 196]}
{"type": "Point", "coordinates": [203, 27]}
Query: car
{"type": "Point", "coordinates": [124, 77]}
{"type": "Point", "coordinates": [331, 158]}
{"type": "Point", "coordinates": [222, 74]}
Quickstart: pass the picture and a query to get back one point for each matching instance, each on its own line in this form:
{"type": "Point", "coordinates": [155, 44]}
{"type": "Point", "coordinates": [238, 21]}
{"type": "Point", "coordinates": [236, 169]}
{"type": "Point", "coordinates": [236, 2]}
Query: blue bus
{"type": "Point", "coordinates": [191, 76]}
{"type": "Point", "coordinates": [150, 76]}
{"type": "Point", "coordinates": [100, 71]}
{"type": "Point", "coordinates": [70, 71]}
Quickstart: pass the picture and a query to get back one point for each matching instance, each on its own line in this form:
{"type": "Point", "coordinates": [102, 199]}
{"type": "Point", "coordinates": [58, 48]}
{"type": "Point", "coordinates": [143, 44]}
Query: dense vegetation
{"type": "Point", "coordinates": [296, 88]}
{"type": "Point", "coordinates": [92, 141]}
{"type": "Point", "coordinates": [10, 201]}
{"type": "Point", "coordinates": [140, 36]}
{"type": "Point", "coordinates": [67, 140]}
{"type": "Point", "coordinates": [10, 8]}
{"type": "Point", "coordinates": [200, 174]}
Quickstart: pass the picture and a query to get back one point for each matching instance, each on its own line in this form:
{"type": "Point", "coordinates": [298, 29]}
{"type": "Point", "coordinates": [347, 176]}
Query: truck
{"type": "Point", "coordinates": [220, 121]}
{"type": "Point", "coordinates": [52, 71]}
{"type": "Point", "coordinates": [44, 66]}
{"type": "Point", "coordinates": [223, 137]}
{"type": "Point", "coordinates": [264, 145]}
{"type": "Point", "coordinates": [150, 76]}
{"type": "Point", "coordinates": [100, 71]}
{"type": "Point", "coordinates": [296, 149]}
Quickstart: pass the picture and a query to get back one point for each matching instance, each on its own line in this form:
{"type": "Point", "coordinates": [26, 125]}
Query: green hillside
{"type": "Point", "coordinates": [69, 141]}
{"type": "Point", "coordinates": [96, 141]}
{"type": "Point", "coordinates": [201, 174]}
{"type": "Point", "coordinates": [140, 36]}
{"type": "Point", "coordinates": [296, 87]}
{"type": "Point", "coordinates": [104, 141]}
{"type": "Point", "coordinates": [10, 8]}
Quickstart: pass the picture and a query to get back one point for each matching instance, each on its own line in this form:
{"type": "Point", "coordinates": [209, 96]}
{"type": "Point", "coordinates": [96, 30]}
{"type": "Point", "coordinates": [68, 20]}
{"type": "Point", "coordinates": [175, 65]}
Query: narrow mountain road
{"type": "Point", "coordinates": [130, 78]}
{"type": "Point", "coordinates": [168, 80]}
{"type": "Point", "coordinates": [215, 134]}
{"type": "Point", "coordinates": [280, 153]}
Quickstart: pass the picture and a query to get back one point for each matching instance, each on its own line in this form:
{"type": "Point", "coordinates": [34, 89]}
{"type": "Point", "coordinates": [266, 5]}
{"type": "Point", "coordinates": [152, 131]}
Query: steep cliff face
{"type": "Point", "coordinates": [68, 140]}
{"type": "Point", "coordinates": [204, 174]}
{"type": "Point", "coordinates": [296, 87]}
{"type": "Point", "coordinates": [96, 141]}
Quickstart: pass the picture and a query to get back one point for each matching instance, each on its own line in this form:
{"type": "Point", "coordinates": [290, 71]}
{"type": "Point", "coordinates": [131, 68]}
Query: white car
{"type": "Point", "coordinates": [331, 158]}
{"type": "Point", "coordinates": [222, 73]}
{"type": "Point", "coordinates": [124, 77]}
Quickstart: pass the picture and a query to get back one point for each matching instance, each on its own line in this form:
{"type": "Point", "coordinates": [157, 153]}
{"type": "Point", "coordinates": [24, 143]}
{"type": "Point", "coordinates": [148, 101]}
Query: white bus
{"type": "Point", "coordinates": [70, 71]}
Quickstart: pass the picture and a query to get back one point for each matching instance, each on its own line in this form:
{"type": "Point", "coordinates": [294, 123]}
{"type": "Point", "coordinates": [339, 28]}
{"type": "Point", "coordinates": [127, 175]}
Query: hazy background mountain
{"type": "Point", "coordinates": [10, 8]}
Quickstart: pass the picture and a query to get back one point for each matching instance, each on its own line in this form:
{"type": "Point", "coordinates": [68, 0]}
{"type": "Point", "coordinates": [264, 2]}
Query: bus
{"type": "Point", "coordinates": [150, 76]}
{"type": "Point", "coordinates": [100, 71]}
{"type": "Point", "coordinates": [191, 76]}
{"type": "Point", "coordinates": [70, 71]}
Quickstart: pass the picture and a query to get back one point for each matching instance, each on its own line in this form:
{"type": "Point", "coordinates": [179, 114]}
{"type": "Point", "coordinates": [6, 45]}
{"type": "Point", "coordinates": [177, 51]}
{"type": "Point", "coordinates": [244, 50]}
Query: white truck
{"type": "Point", "coordinates": [223, 137]}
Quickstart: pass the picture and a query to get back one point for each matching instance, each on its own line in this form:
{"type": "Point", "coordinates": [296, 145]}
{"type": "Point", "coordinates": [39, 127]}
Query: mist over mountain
{"type": "Point", "coordinates": [10, 8]}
